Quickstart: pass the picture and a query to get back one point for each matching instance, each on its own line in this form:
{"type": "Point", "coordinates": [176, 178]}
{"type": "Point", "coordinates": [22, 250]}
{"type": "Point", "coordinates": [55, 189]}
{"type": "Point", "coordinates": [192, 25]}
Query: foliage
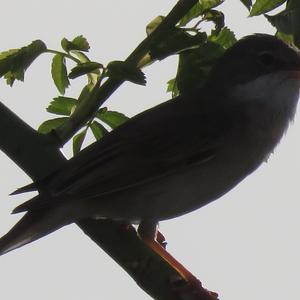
{"type": "Point", "coordinates": [197, 52]}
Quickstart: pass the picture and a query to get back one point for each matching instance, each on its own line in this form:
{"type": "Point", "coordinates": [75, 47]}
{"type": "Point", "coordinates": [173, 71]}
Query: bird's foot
{"type": "Point", "coordinates": [185, 286]}
{"type": "Point", "coordinates": [191, 289]}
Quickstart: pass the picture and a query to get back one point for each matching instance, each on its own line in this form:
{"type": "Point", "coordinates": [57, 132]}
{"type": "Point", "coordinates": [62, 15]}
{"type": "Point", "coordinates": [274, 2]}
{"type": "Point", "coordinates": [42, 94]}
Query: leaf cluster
{"type": "Point", "coordinates": [14, 62]}
{"type": "Point", "coordinates": [197, 52]}
{"type": "Point", "coordinates": [286, 22]}
{"type": "Point", "coordinates": [196, 49]}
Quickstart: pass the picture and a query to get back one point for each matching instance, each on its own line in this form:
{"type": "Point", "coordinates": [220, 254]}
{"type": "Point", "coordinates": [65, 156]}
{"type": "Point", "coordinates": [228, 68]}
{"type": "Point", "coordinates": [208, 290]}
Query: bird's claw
{"type": "Point", "coordinates": [191, 290]}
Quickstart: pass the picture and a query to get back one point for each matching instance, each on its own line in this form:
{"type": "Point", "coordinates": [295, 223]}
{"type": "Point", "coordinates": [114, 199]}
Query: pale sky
{"type": "Point", "coordinates": [244, 246]}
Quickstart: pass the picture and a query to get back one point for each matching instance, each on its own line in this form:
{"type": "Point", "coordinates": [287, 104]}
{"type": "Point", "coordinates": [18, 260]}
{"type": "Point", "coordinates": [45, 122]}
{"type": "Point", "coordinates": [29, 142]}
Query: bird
{"type": "Point", "coordinates": [178, 156]}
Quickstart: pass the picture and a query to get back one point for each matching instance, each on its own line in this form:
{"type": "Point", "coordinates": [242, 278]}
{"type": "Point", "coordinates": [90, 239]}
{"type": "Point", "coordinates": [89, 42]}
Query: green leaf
{"type": "Point", "coordinates": [78, 141]}
{"type": "Point", "coordinates": [81, 56]}
{"type": "Point", "coordinates": [62, 106]}
{"type": "Point", "coordinates": [14, 62]}
{"type": "Point", "coordinates": [193, 13]}
{"type": "Point", "coordinates": [209, 4]}
{"type": "Point", "coordinates": [263, 6]}
{"type": "Point", "coordinates": [112, 118]}
{"type": "Point", "coordinates": [247, 3]}
{"type": "Point", "coordinates": [195, 65]}
{"type": "Point", "coordinates": [172, 87]}
{"type": "Point", "coordinates": [121, 70]}
{"type": "Point", "coordinates": [224, 38]}
{"type": "Point", "coordinates": [198, 9]}
{"type": "Point", "coordinates": [287, 21]}
{"type": "Point", "coordinates": [94, 76]}
{"type": "Point", "coordinates": [79, 43]}
{"type": "Point", "coordinates": [98, 130]}
{"type": "Point", "coordinates": [84, 68]}
{"type": "Point", "coordinates": [288, 38]}
{"type": "Point", "coordinates": [59, 73]}
{"type": "Point", "coordinates": [49, 125]}
{"type": "Point", "coordinates": [175, 41]}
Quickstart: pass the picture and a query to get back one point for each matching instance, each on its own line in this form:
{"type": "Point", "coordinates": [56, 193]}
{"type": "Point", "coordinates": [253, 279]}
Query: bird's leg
{"type": "Point", "coordinates": [148, 232]}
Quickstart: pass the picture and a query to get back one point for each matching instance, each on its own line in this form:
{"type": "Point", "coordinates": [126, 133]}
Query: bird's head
{"type": "Point", "coordinates": [255, 56]}
{"type": "Point", "coordinates": [263, 69]}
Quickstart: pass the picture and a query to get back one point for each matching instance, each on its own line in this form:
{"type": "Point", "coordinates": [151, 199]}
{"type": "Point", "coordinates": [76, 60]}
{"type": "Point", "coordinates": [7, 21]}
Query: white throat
{"type": "Point", "coordinates": [278, 90]}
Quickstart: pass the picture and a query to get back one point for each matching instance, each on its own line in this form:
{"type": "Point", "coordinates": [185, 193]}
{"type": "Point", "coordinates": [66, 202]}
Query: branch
{"type": "Point", "coordinates": [26, 147]}
{"type": "Point", "coordinates": [119, 240]}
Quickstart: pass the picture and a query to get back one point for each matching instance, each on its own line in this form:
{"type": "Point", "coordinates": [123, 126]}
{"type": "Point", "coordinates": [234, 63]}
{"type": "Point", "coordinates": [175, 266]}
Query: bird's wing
{"type": "Point", "coordinates": [154, 143]}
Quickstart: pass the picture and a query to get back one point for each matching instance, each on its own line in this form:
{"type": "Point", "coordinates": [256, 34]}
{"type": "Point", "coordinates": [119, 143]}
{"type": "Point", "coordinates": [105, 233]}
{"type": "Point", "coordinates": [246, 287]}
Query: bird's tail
{"type": "Point", "coordinates": [32, 226]}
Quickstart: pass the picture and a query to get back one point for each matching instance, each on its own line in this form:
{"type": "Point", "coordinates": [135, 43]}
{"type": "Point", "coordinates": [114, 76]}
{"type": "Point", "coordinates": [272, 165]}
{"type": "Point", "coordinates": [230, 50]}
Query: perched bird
{"type": "Point", "coordinates": [178, 156]}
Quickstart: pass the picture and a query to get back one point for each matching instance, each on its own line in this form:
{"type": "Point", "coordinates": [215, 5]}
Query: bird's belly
{"type": "Point", "coordinates": [176, 194]}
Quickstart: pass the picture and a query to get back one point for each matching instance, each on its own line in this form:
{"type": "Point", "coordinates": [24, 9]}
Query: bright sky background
{"type": "Point", "coordinates": [244, 246]}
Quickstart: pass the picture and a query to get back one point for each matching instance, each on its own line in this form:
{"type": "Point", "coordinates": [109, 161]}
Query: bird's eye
{"type": "Point", "coordinates": [266, 58]}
